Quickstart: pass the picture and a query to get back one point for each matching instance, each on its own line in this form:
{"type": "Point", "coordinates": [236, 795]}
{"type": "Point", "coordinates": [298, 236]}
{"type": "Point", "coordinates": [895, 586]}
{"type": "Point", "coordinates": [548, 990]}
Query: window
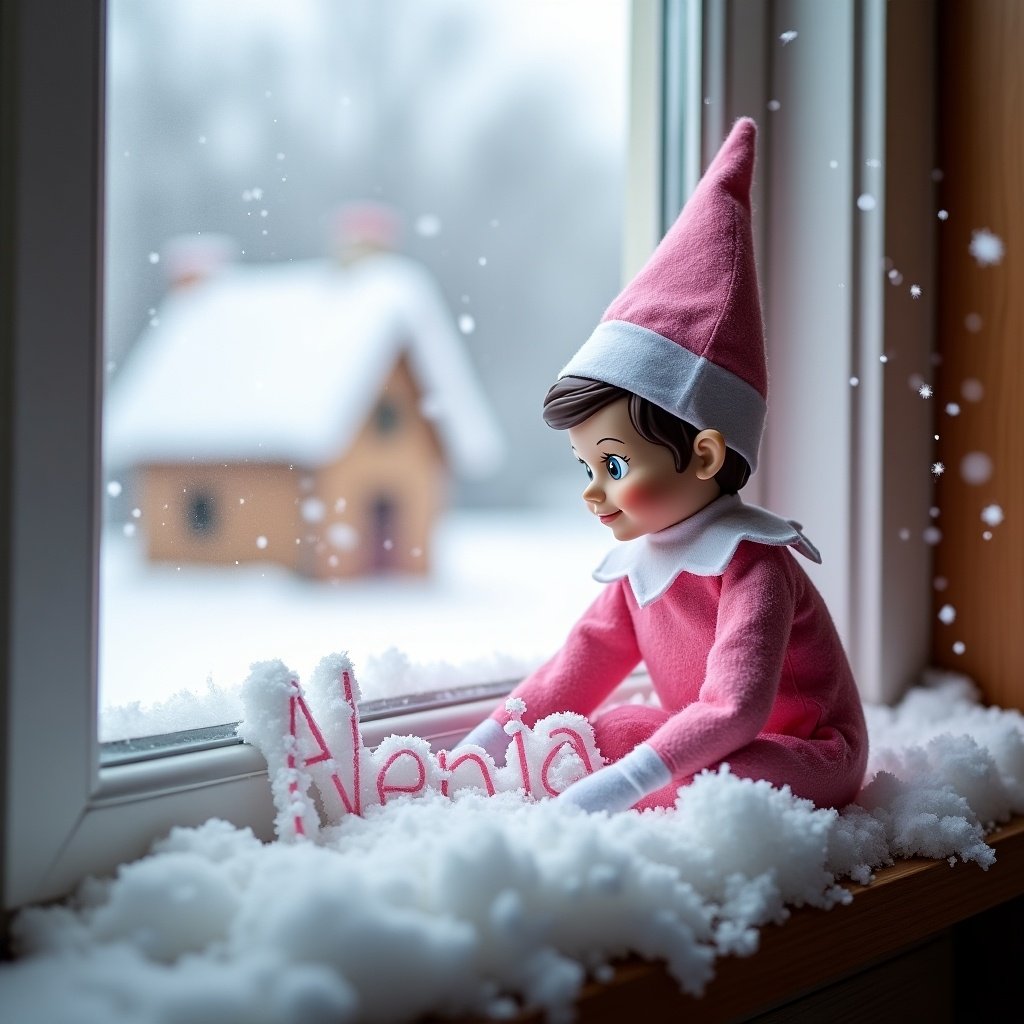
{"type": "Point", "coordinates": [63, 815]}
{"type": "Point", "coordinates": [326, 345]}
{"type": "Point", "coordinates": [202, 517]}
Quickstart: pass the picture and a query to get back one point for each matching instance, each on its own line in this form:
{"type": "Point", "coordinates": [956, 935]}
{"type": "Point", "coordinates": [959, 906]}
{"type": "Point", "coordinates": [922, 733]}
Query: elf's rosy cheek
{"type": "Point", "coordinates": [639, 495]}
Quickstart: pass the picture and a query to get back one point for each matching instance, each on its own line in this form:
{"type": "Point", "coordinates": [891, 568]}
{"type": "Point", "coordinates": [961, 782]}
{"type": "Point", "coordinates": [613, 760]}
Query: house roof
{"type": "Point", "coordinates": [283, 362]}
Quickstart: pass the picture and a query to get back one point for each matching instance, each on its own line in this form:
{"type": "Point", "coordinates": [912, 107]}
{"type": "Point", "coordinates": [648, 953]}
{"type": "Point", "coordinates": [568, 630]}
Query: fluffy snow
{"type": "Point", "coordinates": [480, 905]}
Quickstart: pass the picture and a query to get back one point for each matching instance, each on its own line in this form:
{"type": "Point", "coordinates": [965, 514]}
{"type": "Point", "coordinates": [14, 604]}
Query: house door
{"type": "Point", "coordinates": [382, 550]}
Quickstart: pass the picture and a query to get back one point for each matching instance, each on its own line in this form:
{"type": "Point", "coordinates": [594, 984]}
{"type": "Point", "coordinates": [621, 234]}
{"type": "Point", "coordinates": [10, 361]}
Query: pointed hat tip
{"type": "Point", "coordinates": [733, 165]}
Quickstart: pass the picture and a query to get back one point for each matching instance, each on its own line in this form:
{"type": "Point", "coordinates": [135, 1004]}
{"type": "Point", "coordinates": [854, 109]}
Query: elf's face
{"type": "Point", "coordinates": [633, 485]}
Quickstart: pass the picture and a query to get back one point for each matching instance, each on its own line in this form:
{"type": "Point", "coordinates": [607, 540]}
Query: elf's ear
{"type": "Point", "coordinates": [708, 453]}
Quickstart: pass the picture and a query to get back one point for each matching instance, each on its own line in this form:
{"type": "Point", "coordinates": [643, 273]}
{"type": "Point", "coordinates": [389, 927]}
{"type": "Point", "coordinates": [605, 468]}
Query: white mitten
{"type": "Point", "coordinates": [491, 736]}
{"type": "Point", "coordinates": [618, 786]}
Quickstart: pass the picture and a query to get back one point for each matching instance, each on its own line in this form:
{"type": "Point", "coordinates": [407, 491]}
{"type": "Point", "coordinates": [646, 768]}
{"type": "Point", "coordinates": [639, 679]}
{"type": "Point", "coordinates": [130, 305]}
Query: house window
{"type": "Point", "coordinates": [202, 514]}
{"type": "Point", "coordinates": [387, 417]}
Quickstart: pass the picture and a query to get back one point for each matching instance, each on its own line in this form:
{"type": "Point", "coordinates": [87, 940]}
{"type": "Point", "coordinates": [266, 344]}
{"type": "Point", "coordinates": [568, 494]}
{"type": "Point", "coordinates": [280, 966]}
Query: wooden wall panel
{"type": "Point", "coordinates": [981, 344]}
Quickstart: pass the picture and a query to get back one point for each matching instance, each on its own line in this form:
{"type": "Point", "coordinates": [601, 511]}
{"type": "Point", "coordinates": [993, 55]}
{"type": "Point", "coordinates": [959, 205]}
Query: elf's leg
{"type": "Point", "coordinates": [620, 729]}
{"type": "Point", "coordinates": [823, 769]}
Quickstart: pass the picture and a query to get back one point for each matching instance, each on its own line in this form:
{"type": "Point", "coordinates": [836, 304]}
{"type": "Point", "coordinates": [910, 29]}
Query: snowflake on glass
{"type": "Point", "coordinates": [925, 391]}
{"type": "Point", "coordinates": [938, 469]}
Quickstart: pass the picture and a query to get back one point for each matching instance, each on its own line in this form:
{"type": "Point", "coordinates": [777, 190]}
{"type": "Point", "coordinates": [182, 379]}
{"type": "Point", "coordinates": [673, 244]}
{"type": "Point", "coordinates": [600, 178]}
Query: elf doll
{"type": "Point", "coordinates": [664, 407]}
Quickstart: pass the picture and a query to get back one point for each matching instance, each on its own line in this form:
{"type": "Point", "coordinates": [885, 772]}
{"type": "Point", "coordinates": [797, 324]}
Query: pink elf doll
{"type": "Point", "coordinates": [664, 406]}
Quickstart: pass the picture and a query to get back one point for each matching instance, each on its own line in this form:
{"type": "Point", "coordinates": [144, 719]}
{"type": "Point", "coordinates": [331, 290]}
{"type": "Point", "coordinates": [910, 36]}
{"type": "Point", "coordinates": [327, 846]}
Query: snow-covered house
{"type": "Point", "coordinates": [305, 413]}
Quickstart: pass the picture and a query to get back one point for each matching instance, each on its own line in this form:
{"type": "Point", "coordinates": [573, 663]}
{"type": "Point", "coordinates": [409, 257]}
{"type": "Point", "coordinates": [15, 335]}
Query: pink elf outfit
{"type": "Point", "coordinates": [740, 648]}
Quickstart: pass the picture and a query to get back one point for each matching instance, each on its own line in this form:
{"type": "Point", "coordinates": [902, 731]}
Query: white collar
{"type": "Point", "coordinates": [702, 545]}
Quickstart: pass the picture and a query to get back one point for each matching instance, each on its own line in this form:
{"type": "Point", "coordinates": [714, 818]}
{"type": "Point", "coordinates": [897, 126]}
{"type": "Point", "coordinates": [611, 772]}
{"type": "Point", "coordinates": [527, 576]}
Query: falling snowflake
{"type": "Point", "coordinates": [467, 324]}
{"type": "Point", "coordinates": [114, 488]}
{"type": "Point", "coordinates": [973, 322]}
{"type": "Point", "coordinates": [313, 510]}
{"type": "Point", "coordinates": [788, 36]}
{"type": "Point", "coordinates": [932, 535]}
{"type": "Point", "coordinates": [154, 257]}
{"type": "Point", "coordinates": [972, 389]}
{"type": "Point", "coordinates": [915, 291]}
{"type": "Point", "coordinates": [925, 391]}
{"type": "Point", "coordinates": [261, 542]}
{"type": "Point", "coordinates": [976, 468]}
{"type": "Point", "coordinates": [428, 225]}
{"type": "Point", "coordinates": [895, 277]}
{"type": "Point", "coordinates": [865, 202]}
{"type": "Point", "coordinates": [938, 468]}
{"type": "Point", "coordinates": [959, 647]}
{"type": "Point", "coordinates": [986, 248]}
{"type": "Point", "coordinates": [992, 515]}
{"type": "Point", "coordinates": [952, 409]}
{"type": "Point", "coordinates": [947, 614]}
{"type": "Point", "coordinates": [943, 214]}
{"type": "Point", "coordinates": [774, 105]}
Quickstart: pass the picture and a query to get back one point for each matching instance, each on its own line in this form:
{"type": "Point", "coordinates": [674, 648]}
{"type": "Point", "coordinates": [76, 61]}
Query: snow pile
{"type": "Point", "coordinates": [480, 905]}
{"type": "Point", "coordinates": [317, 742]}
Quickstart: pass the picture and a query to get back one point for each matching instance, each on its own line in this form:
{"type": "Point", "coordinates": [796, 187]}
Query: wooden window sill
{"type": "Point", "coordinates": [907, 905]}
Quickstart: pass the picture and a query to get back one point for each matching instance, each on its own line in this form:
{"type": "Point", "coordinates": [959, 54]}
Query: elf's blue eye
{"type": "Point", "coordinates": [618, 467]}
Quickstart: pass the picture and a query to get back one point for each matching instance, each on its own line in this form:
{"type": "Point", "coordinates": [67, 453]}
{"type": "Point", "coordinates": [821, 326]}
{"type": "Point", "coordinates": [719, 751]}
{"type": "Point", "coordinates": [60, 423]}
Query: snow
{"type": "Point", "coordinates": [291, 357]}
{"type": "Point", "coordinates": [972, 390]}
{"type": "Point", "coordinates": [976, 468]}
{"type": "Point", "coordinates": [503, 901]}
{"type": "Point", "coordinates": [466, 622]}
{"type": "Point", "coordinates": [992, 515]}
{"type": "Point", "coordinates": [986, 248]}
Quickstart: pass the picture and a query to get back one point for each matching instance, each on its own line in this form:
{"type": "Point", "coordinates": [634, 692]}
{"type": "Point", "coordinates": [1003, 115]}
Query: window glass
{"type": "Point", "coordinates": [348, 247]}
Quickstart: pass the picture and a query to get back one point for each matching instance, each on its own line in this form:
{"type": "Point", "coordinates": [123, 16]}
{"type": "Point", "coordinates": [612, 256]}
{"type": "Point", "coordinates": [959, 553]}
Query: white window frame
{"type": "Point", "coordinates": [63, 816]}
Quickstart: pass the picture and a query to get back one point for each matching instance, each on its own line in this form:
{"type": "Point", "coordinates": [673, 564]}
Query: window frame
{"type": "Point", "coordinates": [81, 819]}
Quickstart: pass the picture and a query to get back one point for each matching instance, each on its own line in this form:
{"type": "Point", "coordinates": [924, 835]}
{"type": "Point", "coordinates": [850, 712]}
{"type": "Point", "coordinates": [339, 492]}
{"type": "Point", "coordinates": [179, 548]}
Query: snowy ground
{"type": "Point", "coordinates": [176, 643]}
{"type": "Point", "coordinates": [477, 905]}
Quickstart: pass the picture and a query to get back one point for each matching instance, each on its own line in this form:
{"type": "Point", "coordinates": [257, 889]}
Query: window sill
{"type": "Point", "coordinates": [908, 904]}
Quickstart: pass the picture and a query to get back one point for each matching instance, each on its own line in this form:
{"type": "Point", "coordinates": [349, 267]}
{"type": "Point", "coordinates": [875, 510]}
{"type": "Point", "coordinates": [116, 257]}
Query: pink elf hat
{"type": "Point", "coordinates": [686, 333]}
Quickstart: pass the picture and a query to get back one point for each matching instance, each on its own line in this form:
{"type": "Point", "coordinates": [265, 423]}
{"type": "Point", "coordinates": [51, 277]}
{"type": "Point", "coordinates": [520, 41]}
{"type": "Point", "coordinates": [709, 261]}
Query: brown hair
{"type": "Point", "coordinates": [571, 400]}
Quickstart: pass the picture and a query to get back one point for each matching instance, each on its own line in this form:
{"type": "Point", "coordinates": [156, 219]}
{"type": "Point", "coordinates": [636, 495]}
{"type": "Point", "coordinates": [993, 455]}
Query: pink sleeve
{"type": "Point", "coordinates": [744, 666]}
{"type": "Point", "coordinates": [600, 651]}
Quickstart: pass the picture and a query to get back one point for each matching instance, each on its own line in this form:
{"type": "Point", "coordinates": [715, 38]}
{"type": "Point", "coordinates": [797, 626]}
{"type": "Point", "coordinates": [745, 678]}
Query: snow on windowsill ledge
{"type": "Point", "coordinates": [483, 906]}
{"type": "Point", "coordinates": [906, 904]}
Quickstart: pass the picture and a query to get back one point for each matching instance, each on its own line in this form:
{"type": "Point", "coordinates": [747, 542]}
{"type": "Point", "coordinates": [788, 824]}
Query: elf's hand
{"type": "Point", "coordinates": [618, 786]}
{"type": "Point", "coordinates": [491, 736]}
